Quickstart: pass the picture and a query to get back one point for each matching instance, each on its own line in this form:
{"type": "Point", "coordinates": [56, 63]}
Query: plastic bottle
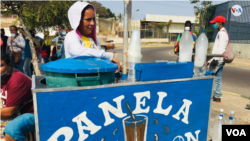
{"type": "Point", "coordinates": [186, 46]}
{"type": "Point", "coordinates": [217, 129]}
{"type": "Point", "coordinates": [231, 119]}
{"type": "Point", "coordinates": [221, 113]}
{"type": "Point", "coordinates": [201, 54]}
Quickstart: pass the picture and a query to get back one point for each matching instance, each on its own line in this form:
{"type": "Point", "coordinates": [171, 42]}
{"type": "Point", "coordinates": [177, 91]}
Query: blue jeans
{"type": "Point", "coordinates": [26, 66]}
{"type": "Point", "coordinates": [18, 66]}
{"type": "Point", "coordinates": [218, 76]}
{"type": "Point", "coordinates": [18, 127]}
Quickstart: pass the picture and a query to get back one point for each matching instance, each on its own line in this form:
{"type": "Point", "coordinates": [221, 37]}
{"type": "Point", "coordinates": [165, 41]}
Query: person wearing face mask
{"type": "Point", "coordinates": [216, 63]}
{"type": "Point", "coordinates": [4, 39]}
{"type": "Point", "coordinates": [177, 42]}
{"type": "Point", "coordinates": [82, 40]}
{"type": "Point", "coordinates": [17, 112]}
{"type": "Point", "coordinates": [15, 45]}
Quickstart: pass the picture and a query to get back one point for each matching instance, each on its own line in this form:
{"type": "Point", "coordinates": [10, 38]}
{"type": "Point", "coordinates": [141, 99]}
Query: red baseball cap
{"type": "Point", "coordinates": [218, 19]}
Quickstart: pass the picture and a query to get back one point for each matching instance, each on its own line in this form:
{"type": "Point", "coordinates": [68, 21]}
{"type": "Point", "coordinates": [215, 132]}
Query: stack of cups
{"type": "Point", "coordinates": [134, 54]}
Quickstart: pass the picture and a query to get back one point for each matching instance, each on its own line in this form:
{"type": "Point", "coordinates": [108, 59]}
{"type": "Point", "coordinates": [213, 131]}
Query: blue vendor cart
{"type": "Point", "coordinates": [157, 107]}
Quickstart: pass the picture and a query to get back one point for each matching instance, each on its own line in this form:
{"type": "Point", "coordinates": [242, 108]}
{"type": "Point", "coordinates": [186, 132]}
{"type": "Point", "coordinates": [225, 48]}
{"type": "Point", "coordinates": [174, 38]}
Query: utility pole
{"type": "Point", "coordinates": [130, 15]}
{"type": "Point", "coordinates": [125, 38]}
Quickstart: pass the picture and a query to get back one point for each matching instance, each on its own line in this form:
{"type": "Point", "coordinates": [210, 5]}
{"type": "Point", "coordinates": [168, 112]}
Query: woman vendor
{"type": "Point", "coordinates": [82, 40]}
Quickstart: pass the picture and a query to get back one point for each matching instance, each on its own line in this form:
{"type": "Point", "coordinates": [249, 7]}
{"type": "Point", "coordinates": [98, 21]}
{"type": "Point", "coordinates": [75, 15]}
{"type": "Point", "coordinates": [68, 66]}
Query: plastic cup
{"type": "Point", "coordinates": [135, 42]}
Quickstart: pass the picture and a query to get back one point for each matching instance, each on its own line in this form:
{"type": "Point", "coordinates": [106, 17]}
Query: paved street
{"type": "Point", "coordinates": [235, 80]}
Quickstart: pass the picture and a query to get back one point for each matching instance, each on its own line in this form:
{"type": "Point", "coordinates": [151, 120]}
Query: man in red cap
{"type": "Point", "coordinates": [216, 63]}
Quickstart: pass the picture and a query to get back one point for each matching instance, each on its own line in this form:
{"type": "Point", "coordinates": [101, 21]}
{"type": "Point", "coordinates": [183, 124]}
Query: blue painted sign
{"type": "Point", "coordinates": [173, 111]}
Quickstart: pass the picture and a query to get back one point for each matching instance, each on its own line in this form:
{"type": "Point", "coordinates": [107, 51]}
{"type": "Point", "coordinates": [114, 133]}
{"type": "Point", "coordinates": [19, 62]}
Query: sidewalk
{"type": "Point", "coordinates": [239, 62]}
{"type": "Point", "coordinates": [230, 102]}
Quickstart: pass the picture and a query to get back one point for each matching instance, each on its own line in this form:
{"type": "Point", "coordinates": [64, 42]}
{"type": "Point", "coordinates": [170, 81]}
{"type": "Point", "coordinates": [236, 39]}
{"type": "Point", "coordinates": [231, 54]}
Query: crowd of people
{"type": "Point", "coordinates": [17, 47]}
{"type": "Point", "coordinates": [16, 70]}
{"type": "Point", "coordinates": [17, 112]}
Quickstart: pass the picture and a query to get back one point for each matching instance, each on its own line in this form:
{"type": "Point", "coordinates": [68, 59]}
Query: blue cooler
{"type": "Point", "coordinates": [79, 71]}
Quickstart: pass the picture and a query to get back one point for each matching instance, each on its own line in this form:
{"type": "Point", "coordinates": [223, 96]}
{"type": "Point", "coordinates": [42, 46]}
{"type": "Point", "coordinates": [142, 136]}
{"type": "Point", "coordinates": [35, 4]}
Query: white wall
{"type": "Point", "coordinates": [176, 28]}
{"type": "Point", "coordinates": [135, 25]}
{"type": "Point", "coordinates": [166, 18]}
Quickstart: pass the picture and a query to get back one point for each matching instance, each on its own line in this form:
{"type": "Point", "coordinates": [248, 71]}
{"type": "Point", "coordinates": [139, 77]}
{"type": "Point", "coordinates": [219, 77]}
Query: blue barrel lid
{"type": "Point", "coordinates": [81, 64]}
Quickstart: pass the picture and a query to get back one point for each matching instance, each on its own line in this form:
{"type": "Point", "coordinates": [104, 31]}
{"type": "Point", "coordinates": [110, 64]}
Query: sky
{"type": "Point", "coordinates": [175, 8]}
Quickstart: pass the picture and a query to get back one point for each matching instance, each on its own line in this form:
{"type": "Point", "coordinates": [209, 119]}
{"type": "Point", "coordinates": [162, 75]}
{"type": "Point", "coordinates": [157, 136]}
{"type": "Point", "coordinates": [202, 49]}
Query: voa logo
{"type": "Point", "coordinates": [236, 132]}
{"type": "Point", "coordinates": [236, 10]}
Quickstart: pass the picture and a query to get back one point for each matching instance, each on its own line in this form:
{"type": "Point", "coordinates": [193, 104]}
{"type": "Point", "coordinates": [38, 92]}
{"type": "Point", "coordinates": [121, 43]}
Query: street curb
{"type": "Point", "coordinates": [244, 96]}
{"type": "Point", "coordinates": [239, 64]}
{"type": "Point", "coordinates": [231, 93]}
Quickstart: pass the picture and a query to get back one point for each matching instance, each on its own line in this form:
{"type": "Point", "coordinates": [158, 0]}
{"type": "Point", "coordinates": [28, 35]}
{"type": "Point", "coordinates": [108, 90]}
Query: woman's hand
{"type": "Point", "coordinates": [118, 63]}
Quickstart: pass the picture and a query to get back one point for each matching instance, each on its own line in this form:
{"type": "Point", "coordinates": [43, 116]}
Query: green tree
{"type": "Point", "coordinates": [119, 17]}
{"type": "Point", "coordinates": [162, 25]}
{"type": "Point", "coordinates": [45, 14]}
{"type": "Point", "coordinates": [100, 10]}
{"type": "Point", "coordinates": [168, 25]}
{"type": "Point", "coordinates": [202, 11]}
{"type": "Point", "coordinates": [16, 7]}
{"type": "Point", "coordinates": [110, 13]}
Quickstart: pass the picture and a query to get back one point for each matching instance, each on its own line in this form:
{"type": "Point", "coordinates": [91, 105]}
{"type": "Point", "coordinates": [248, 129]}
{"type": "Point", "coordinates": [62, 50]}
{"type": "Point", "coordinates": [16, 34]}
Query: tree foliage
{"type": "Point", "coordinates": [194, 1]}
{"type": "Point", "coordinates": [110, 13]}
{"type": "Point", "coordinates": [16, 7]}
{"type": "Point", "coordinates": [120, 17]}
{"type": "Point", "coordinates": [202, 11]}
{"type": "Point", "coordinates": [102, 11]}
{"type": "Point", "coordinates": [161, 25]}
{"type": "Point", "coordinates": [45, 14]}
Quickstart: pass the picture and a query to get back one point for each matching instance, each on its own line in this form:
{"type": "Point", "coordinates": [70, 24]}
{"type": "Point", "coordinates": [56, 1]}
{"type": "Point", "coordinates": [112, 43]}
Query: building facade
{"type": "Point", "coordinates": [155, 26]}
{"type": "Point", "coordinates": [237, 20]}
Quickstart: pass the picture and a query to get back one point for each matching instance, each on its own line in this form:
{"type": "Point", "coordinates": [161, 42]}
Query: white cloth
{"type": "Point", "coordinates": [96, 47]}
{"type": "Point", "coordinates": [73, 43]}
{"type": "Point", "coordinates": [220, 44]}
{"type": "Point", "coordinates": [75, 47]}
